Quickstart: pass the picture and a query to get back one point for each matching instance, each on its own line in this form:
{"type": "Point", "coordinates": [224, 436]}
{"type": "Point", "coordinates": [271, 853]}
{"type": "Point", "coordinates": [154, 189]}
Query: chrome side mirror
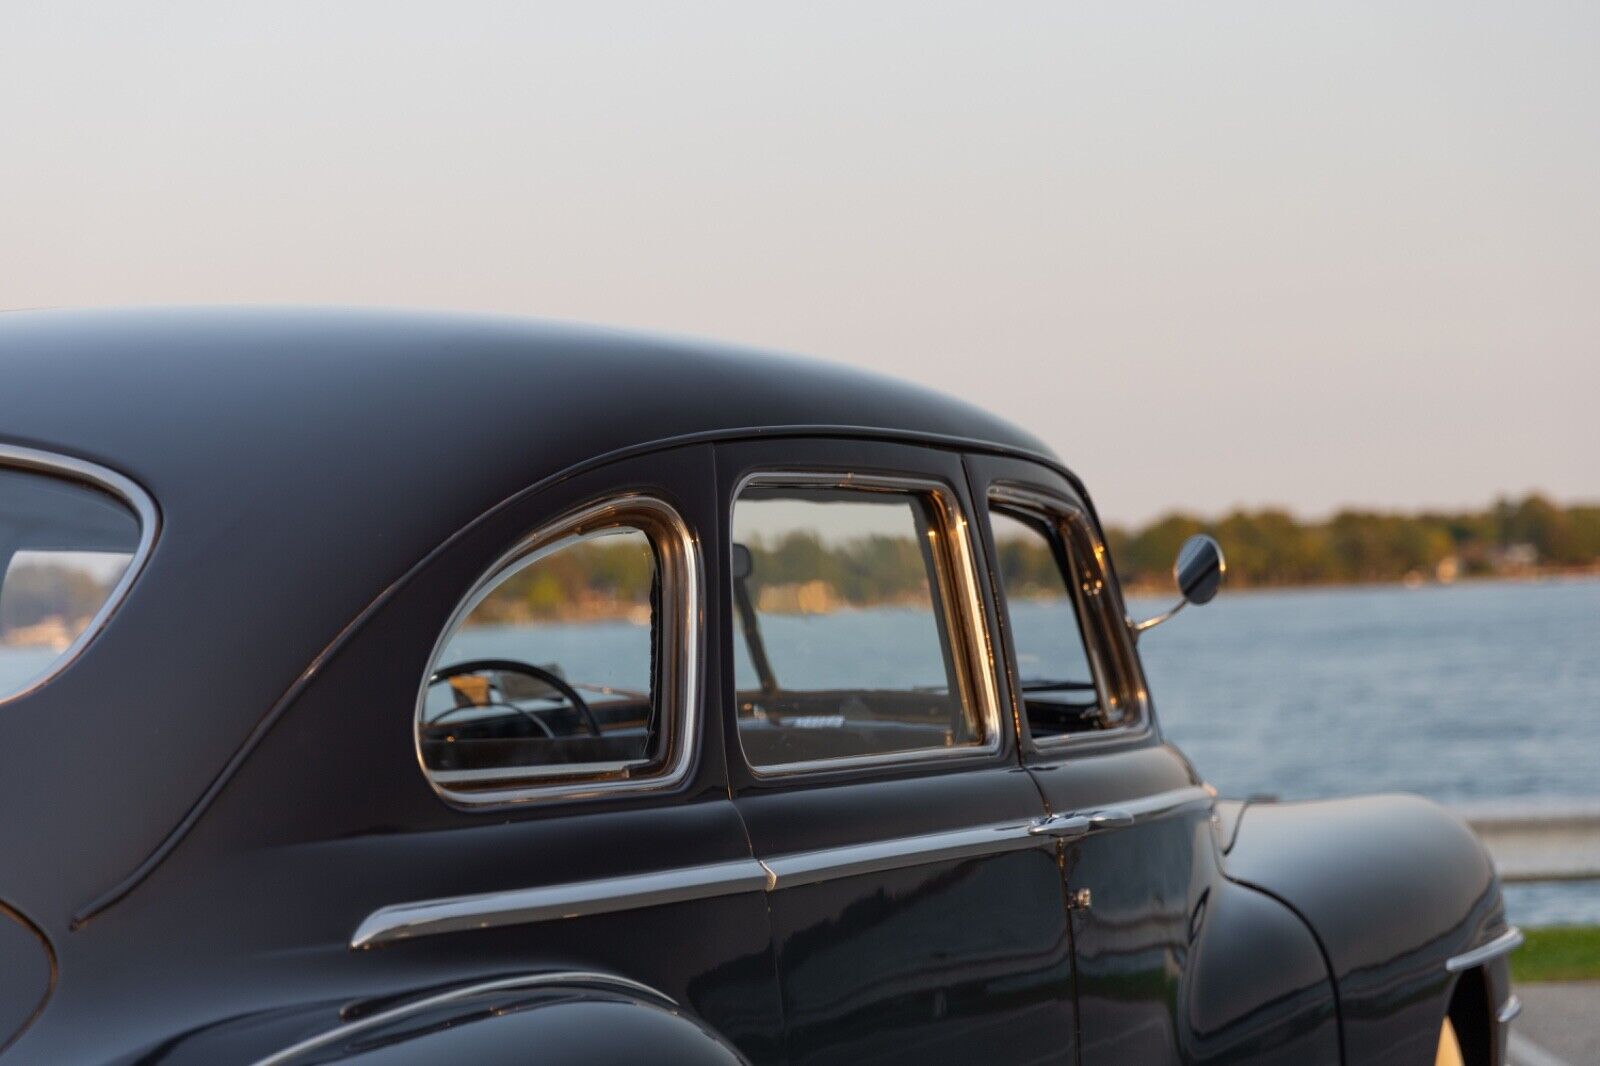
{"type": "Point", "coordinates": [1198, 571]}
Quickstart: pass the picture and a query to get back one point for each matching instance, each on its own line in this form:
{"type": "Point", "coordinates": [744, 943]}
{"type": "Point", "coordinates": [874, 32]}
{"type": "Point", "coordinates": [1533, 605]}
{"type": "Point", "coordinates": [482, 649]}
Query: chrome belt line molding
{"type": "Point", "coordinates": [1500, 945]}
{"type": "Point", "coordinates": [575, 899]}
{"type": "Point", "coordinates": [827, 864]}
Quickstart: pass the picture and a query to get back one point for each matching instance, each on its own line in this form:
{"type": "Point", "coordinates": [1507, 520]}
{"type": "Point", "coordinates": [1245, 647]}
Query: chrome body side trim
{"type": "Point", "coordinates": [1154, 806]}
{"type": "Point", "coordinates": [1506, 942]}
{"type": "Point", "coordinates": [1074, 824]}
{"type": "Point", "coordinates": [123, 489]}
{"type": "Point", "coordinates": [441, 999]}
{"type": "Point", "coordinates": [576, 899]}
{"type": "Point", "coordinates": [968, 629]}
{"type": "Point", "coordinates": [570, 899]}
{"type": "Point", "coordinates": [1509, 1010]}
{"type": "Point", "coordinates": [828, 864]}
{"type": "Point", "coordinates": [682, 611]}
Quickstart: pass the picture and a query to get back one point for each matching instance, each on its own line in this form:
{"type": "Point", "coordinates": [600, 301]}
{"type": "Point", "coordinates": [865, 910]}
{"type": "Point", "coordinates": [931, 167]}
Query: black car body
{"type": "Point", "coordinates": [235, 832]}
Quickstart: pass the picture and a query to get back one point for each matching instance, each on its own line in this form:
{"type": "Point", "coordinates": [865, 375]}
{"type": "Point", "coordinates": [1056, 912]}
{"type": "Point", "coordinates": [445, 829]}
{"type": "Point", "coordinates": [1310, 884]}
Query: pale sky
{"type": "Point", "coordinates": [1215, 254]}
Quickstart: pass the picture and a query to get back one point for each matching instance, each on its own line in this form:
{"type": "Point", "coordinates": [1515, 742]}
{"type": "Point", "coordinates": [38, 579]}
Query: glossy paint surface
{"type": "Point", "coordinates": [1175, 963]}
{"type": "Point", "coordinates": [943, 960]}
{"type": "Point", "coordinates": [1412, 887]}
{"type": "Point", "coordinates": [226, 789]}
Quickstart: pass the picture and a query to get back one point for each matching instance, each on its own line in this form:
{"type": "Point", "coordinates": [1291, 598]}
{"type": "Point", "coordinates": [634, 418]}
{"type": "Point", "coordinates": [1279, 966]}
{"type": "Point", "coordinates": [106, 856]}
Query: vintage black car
{"type": "Point", "coordinates": [384, 688]}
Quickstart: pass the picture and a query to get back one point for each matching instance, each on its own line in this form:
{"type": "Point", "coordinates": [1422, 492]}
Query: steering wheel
{"type": "Point", "coordinates": [513, 666]}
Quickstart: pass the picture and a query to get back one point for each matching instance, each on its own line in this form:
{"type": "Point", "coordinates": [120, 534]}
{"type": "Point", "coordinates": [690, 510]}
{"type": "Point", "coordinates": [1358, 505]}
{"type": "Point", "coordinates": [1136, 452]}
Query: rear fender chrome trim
{"type": "Point", "coordinates": [585, 978]}
{"type": "Point", "coordinates": [1506, 942]}
{"type": "Point", "coordinates": [571, 899]}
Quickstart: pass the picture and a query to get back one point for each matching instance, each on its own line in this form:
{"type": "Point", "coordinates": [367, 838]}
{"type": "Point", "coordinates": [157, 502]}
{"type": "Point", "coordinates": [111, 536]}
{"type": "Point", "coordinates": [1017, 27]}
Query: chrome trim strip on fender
{"type": "Point", "coordinates": [504, 984]}
{"type": "Point", "coordinates": [571, 899]}
{"type": "Point", "coordinates": [1500, 945]}
{"type": "Point", "coordinates": [123, 489]}
{"type": "Point", "coordinates": [1509, 1011]}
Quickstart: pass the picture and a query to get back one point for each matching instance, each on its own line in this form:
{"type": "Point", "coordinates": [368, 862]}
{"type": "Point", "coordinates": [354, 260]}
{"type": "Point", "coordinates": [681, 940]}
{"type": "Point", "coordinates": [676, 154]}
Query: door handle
{"type": "Point", "coordinates": [1060, 826]}
{"type": "Point", "coordinates": [1110, 818]}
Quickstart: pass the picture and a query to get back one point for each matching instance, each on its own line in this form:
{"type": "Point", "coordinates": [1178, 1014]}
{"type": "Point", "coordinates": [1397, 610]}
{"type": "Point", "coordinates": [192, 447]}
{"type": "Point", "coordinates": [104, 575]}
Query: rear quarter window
{"type": "Point", "coordinates": [569, 667]}
{"type": "Point", "coordinates": [72, 538]}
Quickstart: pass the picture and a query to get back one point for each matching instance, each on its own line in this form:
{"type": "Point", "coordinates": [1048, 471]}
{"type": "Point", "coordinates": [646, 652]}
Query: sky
{"type": "Point", "coordinates": [1304, 255]}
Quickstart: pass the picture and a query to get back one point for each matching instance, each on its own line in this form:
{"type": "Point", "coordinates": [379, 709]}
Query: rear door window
{"type": "Point", "coordinates": [853, 636]}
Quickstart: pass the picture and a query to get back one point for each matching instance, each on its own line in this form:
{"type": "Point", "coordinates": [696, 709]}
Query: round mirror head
{"type": "Point", "coordinates": [1199, 569]}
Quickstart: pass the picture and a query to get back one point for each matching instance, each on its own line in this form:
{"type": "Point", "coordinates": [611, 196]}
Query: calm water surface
{"type": "Point", "coordinates": [1469, 694]}
{"type": "Point", "coordinates": [1473, 692]}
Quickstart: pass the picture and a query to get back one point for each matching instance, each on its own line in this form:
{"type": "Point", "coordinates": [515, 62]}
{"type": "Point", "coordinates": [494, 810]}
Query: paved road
{"type": "Point", "coordinates": [1560, 1025]}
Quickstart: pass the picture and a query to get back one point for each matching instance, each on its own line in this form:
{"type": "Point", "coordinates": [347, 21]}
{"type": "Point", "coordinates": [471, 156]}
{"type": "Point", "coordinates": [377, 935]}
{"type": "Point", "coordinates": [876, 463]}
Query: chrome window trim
{"type": "Point", "coordinates": [1505, 943]}
{"type": "Point", "coordinates": [1509, 1010]}
{"type": "Point", "coordinates": [481, 988]}
{"type": "Point", "coordinates": [679, 558]}
{"type": "Point", "coordinates": [144, 510]}
{"type": "Point", "coordinates": [977, 656]}
{"type": "Point", "coordinates": [1054, 508]}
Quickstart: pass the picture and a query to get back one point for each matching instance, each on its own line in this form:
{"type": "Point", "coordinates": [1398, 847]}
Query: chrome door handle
{"type": "Point", "coordinates": [1110, 818]}
{"type": "Point", "coordinates": [1060, 826]}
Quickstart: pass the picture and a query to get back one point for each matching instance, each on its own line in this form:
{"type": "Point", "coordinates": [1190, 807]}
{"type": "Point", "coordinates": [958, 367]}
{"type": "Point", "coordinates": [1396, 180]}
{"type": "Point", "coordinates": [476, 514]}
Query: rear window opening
{"type": "Point", "coordinates": [68, 550]}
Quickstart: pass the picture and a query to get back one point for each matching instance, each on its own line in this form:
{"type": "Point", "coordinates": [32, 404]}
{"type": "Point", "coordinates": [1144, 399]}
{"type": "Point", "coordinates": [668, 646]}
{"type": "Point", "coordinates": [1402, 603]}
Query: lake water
{"type": "Point", "coordinates": [1478, 693]}
{"type": "Point", "coordinates": [1473, 694]}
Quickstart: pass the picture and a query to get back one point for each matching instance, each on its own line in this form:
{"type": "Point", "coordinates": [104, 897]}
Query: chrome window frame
{"type": "Point", "coordinates": [144, 509]}
{"type": "Point", "coordinates": [968, 629]}
{"type": "Point", "coordinates": [1069, 520]}
{"type": "Point", "coordinates": [676, 691]}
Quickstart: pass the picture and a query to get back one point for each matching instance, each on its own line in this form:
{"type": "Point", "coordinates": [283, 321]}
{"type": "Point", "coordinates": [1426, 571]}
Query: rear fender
{"type": "Point", "coordinates": [562, 1019]}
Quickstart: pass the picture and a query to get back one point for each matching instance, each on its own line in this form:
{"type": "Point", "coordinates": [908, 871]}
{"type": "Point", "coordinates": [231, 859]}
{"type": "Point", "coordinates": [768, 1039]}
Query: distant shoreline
{"type": "Point", "coordinates": [1149, 590]}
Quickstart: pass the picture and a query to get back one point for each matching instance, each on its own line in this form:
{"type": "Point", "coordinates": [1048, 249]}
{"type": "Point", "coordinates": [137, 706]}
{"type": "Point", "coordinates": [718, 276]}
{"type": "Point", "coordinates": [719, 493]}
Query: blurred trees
{"type": "Point", "coordinates": [1271, 547]}
{"type": "Point", "coordinates": [610, 577]}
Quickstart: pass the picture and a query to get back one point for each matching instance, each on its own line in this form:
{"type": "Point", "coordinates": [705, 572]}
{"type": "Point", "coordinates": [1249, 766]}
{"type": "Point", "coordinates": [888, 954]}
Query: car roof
{"type": "Point", "coordinates": [403, 396]}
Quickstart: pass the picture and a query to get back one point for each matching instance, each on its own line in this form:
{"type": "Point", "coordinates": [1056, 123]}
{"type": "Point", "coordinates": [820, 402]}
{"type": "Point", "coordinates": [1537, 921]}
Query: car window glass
{"type": "Point", "coordinates": [551, 672]}
{"type": "Point", "coordinates": [64, 547]}
{"type": "Point", "coordinates": [1054, 672]}
{"type": "Point", "coordinates": [843, 645]}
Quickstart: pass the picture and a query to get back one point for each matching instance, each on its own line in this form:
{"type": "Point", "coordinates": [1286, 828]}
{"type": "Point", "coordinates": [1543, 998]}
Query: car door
{"type": "Point", "coordinates": [917, 914]}
{"type": "Point", "coordinates": [1132, 814]}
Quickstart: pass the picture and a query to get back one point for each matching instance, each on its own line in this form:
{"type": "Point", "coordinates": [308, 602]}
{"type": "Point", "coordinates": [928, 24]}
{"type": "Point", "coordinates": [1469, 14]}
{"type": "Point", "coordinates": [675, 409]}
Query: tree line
{"type": "Point", "coordinates": [611, 577]}
{"type": "Point", "coordinates": [1271, 547]}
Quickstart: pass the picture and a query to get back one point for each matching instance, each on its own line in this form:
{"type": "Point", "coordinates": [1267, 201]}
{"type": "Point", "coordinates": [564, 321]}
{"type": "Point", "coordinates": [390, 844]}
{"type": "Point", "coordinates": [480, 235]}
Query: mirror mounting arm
{"type": "Point", "coordinates": [1150, 623]}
